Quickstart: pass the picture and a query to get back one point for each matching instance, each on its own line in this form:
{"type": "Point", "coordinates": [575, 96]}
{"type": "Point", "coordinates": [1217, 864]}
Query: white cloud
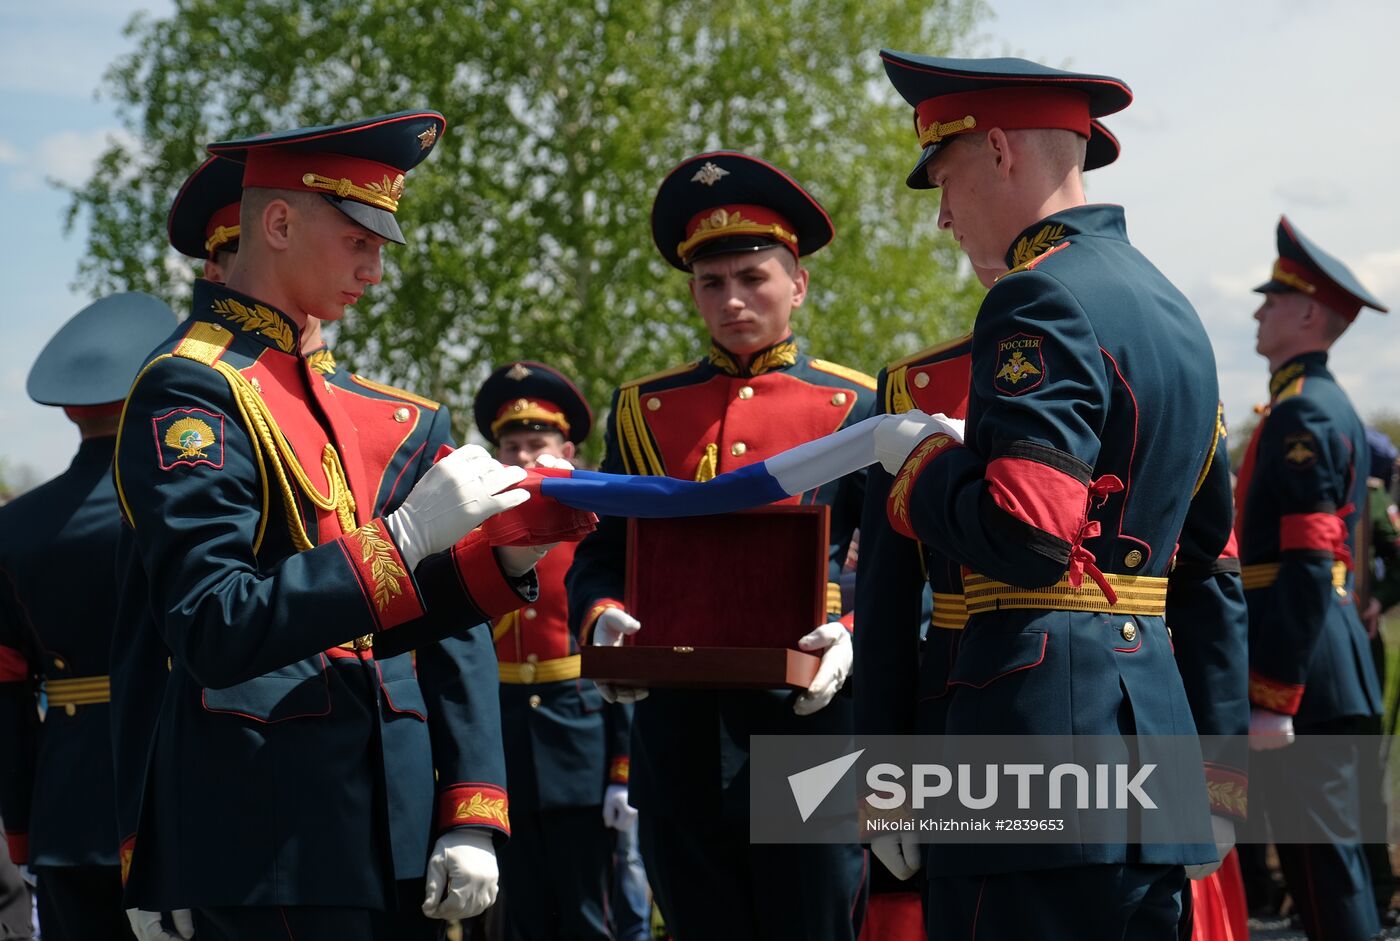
{"type": "Point", "coordinates": [8, 153]}
{"type": "Point", "coordinates": [65, 156]}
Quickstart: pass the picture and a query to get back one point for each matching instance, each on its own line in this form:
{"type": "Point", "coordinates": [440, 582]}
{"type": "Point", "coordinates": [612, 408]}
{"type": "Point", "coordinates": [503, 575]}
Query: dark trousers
{"type": "Point", "coordinates": [1327, 878]}
{"type": "Point", "coordinates": [554, 875]}
{"type": "Point", "coordinates": [82, 903]}
{"type": "Point", "coordinates": [311, 923]}
{"type": "Point", "coordinates": [711, 883]}
{"type": "Point", "coordinates": [1087, 903]}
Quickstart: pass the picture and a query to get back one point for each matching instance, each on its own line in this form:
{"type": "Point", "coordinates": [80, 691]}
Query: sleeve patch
{"type": "Point", "coordinates": [189, 437]}
{"type": "Point", "coordinates": [1300, 450]}
{"type": "Point", "coordinates": [1020, 367]}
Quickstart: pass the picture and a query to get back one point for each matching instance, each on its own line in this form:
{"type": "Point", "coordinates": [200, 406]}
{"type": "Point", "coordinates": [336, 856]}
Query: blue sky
{"type": "Point", "coordinates": [1243, 110]}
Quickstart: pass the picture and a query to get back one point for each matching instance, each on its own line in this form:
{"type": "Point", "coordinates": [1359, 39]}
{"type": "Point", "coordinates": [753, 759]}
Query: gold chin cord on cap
{"type": "Point", "coordinates": [933, 133]}
{"type": "Point", "coordinates": [1292, 280]}
{"type": "Point", "coordinates": [221, 235]}
{"type": "Point", "coordinates": [384, 194]}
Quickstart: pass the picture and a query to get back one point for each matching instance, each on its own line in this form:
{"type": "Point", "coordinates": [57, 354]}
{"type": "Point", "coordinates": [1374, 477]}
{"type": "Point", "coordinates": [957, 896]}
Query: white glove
{"type": "Point", "coordinates": [517, 560]}
{"type": "Point", "coordinates": [899, 852]}
{"type": "Point", "coordinates": [1269, 730]}
{"type": "Point", "coordinates": [612, 626]}
{"type": "Point", "coordinates": [550, 461]}
{"type": "Point", "coordinates": [146, 925]}
{"type": "Point", "coordinates": [1223, 830]}
{"type": "Point", "coordinates": [617, 813]}
{"type": "Point", "coordinates": [462, 875]}
{"type": "Point", "coordinates": [898, 435]}
{"type": "Point", "coordinates": [835, 667]}
{"type": "Point", "coordinates": [455, 496]}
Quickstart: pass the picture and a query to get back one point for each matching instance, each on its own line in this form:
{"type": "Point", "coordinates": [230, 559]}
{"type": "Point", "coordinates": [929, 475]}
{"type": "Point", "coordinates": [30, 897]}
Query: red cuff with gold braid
{"type": "Point", "coordinates": [383, 575]}
{"type": "Point", "coordinates": [1229, 791]}
{"type": "Point", "coordinates": [482, 578]}
{"type": "Point", "coordinates": [19, 847]}
{"type": "Point", "coordinates": [1271, 694]}
{"type": "Point", "coordinates": [620, 770]}
{"type": "Point", "coordinates": [897, 506]}
{"type": "Point", "coordinates": [473, 805]}
{"type": "Point", "coordinates": [585, 630]}
{"type": "Point", "coordinates": [128, 849]}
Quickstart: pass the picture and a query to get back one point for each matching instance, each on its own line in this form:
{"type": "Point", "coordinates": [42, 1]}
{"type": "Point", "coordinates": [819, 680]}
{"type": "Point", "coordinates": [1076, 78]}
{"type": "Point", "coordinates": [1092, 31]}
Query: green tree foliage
{"type": "Point", "coordinates": [529, 224]}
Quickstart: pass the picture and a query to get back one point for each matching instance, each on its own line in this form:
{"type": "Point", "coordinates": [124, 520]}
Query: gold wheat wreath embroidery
{"type": "Point", "coordinates": [191, 436]}
{"type": "Point", "coordinates": [256, 319]}
{"type": "Point", "coordinates": [480, 806]}
{"type": "Point", "coordinates": [1028, 248]}
{"type": "Point", "coordinates": [384, 569]}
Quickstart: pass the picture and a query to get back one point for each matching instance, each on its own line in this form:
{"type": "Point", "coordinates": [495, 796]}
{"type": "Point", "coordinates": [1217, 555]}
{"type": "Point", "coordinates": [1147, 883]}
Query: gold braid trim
{"type": "Point", "coordinates": [709, 464]}
{"type": "Point", "coordinates": [637, 453]}
{"type": "Point", "coordinates": [845, 372]}
{"type": "Point", "coordinates": [1292, 280]}
{"type": "Point", "coordinates": [1214, 443]}
{"type": "Point", "coordinates": [387, 573]}
{"type": "Point", "coordinates": [385, 194]}
{"type": "Point", "coordinates": [268, 438]}
{"type": "Point", "coordinates": [256, 319]}
{"type": "Point", "coordinates": [937, 130]}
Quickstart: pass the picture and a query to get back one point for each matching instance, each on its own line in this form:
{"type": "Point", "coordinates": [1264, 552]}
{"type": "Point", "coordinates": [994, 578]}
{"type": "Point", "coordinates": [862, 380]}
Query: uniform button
{"type": "Point", "coordinates": [401, 414]}
{"type": "Point", "coordinates": [215, 327]}
{"type": "Point", "coordinates": [58, 664]}
{"type": "Point", "coordinates": [920, 379]}
{"type": "Point", "coordinates": [70, 709]}
{"type": "Point", "coordinates": [531, 614]}
{"type": "Point", "coordinates": [532, 658]}
{"type": "Point", "coordinates": [1129, 631]}
{"type": "Point", "coordinates": [838, 399]}
{"type": "Point", "coordinates": [535, 701]}
{"type": "Point", "coordinates": [653, 404]}
{"type": "Point", "coordinates": [527, 675]}
{"type": "Point", "coordinates": [746, 392]}
{"type": "Point", "coordinates": [738, 448]}
{"type": "Point", "coordinates": [257, 386]}
{"type": "Point", "coordinates": [1133, 559]}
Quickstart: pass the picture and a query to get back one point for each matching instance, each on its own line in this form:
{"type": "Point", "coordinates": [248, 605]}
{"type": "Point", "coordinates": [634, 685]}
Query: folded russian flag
{"type": "Point", "coordinates": [788, 474]}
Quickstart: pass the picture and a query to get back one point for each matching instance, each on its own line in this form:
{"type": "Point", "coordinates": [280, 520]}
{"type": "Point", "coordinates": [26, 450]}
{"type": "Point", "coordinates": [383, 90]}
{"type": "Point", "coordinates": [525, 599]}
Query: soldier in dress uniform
{"type": "Point", "coordinates": [1300, 497]}
{"type": "Point", "coordinates": [285, 552]}
{"type": "Point", "coordinates": [1063, 499]}
{"type": "Point", "coordinates": [56, 783]}
{"type": "Point", "coordinates": [567, 751]}
{"type": "Point", "coordinates": [739, 226]}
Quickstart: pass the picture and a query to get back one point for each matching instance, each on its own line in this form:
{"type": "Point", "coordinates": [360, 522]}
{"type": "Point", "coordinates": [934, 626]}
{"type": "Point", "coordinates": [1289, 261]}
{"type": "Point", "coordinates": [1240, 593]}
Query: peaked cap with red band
{"type": "Point", "coordinates": [358, 167]}
{"type": "Point", "coordinates": [204, 217]}
{"type": "Point", "coordinates": [533, 396]}
{"type": "Point", "coordinates": [1307, 269]}
{"type": "Point", "coordinates": [724, 202]}
{"type": "Point", "coordinates": [957, 96]}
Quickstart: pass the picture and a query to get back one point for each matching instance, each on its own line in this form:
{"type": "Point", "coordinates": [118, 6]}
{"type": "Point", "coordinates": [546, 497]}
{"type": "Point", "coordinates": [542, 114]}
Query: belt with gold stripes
{"type": "Point", "coordinates": [541, 671]}
{"type": "Point", "coordinates": [1137, 594]}
{"type": "Point", "coordinates": [1264, 574]}
{"type": "Point", "coordinates": [69, 694]}
{"type": "Point", "coordinates": [949, 611]}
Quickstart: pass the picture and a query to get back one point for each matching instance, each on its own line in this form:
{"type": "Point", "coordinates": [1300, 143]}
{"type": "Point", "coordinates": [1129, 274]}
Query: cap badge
{"type": "Point", "coordinates": [428, 138]}
{"type": "Point", "coordinates": [518, 372]}
{"type": "Point", "coordinates": [709, 174]}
